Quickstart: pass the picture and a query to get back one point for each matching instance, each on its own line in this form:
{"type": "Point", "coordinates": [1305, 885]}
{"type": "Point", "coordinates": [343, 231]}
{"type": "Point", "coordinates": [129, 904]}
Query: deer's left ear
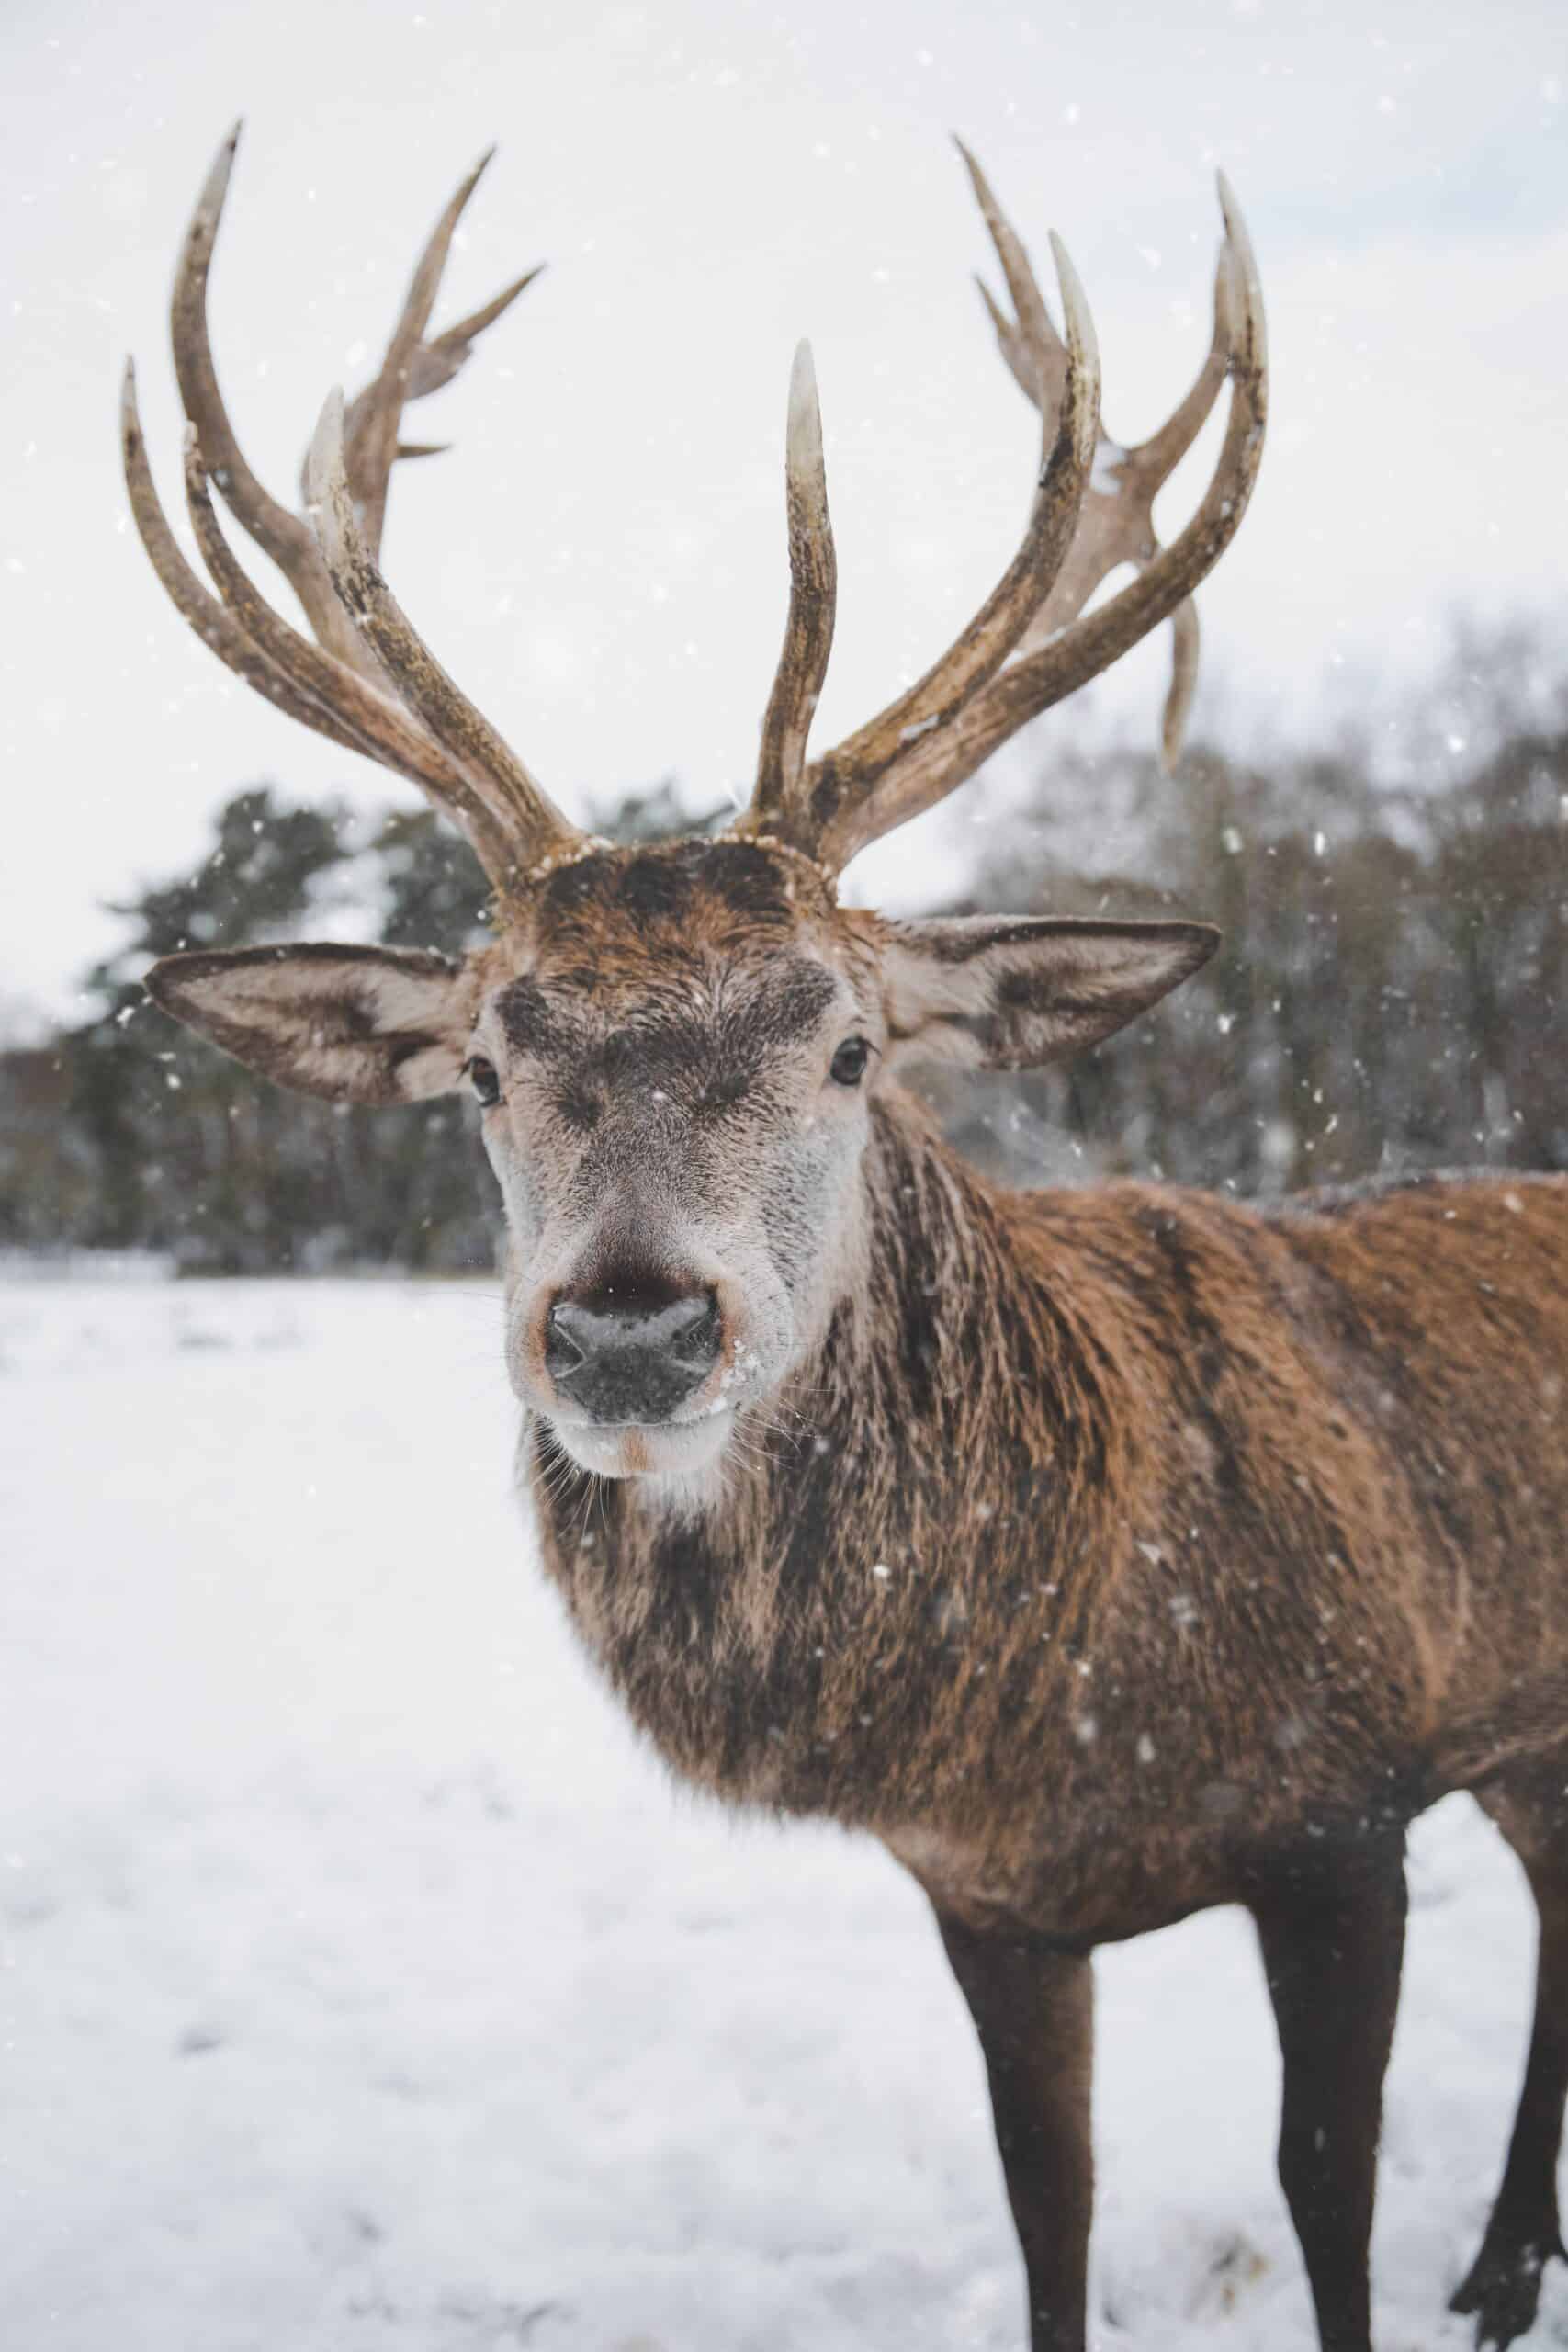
{"type": "Point", "coordinates": [354, 1025]}
{"type": "Point", "coordinates": [1002, 994]}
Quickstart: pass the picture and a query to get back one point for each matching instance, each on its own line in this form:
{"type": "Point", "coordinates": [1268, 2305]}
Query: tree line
{"type": "Point", "coordinates": [1389, 997]}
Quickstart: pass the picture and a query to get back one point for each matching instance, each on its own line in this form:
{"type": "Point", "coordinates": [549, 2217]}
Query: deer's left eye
{"type": "Point", "coordinates": [482, 1077]}
{"type": "Point", "coordinates": [848, 1065]}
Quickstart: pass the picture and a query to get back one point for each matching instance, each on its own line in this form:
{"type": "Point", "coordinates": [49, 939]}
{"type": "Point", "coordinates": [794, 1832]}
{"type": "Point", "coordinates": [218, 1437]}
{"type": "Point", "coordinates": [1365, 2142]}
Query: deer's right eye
{"type": "Point", "coordinates": [482, 1077]}
{"type": "Point", "coordinates": [848, 1065]}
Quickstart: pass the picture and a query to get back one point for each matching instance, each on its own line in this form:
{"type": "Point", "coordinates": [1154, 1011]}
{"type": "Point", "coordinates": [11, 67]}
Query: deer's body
{"type": "Point", "coordinates": [1108, 1554]}
{"type": "Point", "coordinates": [1116, 1543]}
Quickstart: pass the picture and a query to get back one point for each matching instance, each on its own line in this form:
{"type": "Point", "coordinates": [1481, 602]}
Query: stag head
{"type": "Point", "coordinates": [678, 1051]}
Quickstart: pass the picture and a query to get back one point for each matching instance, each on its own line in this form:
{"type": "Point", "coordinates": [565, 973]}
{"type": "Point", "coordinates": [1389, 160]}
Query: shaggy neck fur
{"type": "Point", "coordinates": [1114, 1537]}
{"type": "Point", "coordinates": [939, 1459]}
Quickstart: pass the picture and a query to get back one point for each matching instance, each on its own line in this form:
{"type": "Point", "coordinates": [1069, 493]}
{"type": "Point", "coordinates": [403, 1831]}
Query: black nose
{"type": "Point", "coordinates": [631, 1353]}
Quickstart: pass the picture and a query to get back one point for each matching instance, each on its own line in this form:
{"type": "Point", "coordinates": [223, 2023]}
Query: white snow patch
{"type": "Point", "coordinates": [367, 1988]}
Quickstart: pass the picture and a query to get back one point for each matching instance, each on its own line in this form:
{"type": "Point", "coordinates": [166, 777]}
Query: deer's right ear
{"type": "Point", "coordinates": [1002, 992]}
{"type": "Point", "coordinates": [355, 1024]}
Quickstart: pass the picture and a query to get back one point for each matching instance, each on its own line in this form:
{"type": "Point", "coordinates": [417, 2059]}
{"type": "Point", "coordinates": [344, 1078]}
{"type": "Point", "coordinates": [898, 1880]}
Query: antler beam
{"type": "Point", "coordinates": [814, 587]}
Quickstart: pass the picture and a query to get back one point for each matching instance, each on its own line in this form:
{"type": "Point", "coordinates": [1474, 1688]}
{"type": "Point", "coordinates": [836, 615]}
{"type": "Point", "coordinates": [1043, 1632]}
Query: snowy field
{"type": "Point", "coordinates": [364, 1986]}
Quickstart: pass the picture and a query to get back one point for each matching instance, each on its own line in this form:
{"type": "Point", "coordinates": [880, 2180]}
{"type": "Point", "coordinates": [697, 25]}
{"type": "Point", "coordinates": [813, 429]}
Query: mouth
{"type": "Point", "coordinates": [644, 1449]}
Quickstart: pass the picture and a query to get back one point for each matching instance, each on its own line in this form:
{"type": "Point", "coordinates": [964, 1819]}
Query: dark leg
{"type": "Point", "coordinates": [1033, 2008]}
{"type": "Point", "coordinates": [1504, 2285]}
{"type": "Point", "coordinates": [1332, 1928]}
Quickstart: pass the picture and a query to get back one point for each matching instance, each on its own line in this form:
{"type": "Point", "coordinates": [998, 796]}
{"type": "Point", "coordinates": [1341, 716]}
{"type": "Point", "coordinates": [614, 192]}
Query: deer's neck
{"type": "Point", "coordinates": [903, 1554]}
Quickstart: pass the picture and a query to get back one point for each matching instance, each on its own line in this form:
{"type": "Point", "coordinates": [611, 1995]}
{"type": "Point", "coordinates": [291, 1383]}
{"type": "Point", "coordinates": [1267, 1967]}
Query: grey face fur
{"type": "Point", "coordinates": [684, 1128]}
{"type": "Point", "coordinates": [677, 1051]}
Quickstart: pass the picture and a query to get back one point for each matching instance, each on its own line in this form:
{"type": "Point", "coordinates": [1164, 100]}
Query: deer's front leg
{"type": "Point", "coordinates": [1332, 1928]}
{"type": "Point", "coordinates": [1034, 2007]}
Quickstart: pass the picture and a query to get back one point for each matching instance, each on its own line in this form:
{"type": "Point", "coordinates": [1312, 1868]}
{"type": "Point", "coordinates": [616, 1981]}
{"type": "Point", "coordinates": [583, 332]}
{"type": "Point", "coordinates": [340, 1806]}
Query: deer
{"type": "Point", "coordinates": [1107, 1554]}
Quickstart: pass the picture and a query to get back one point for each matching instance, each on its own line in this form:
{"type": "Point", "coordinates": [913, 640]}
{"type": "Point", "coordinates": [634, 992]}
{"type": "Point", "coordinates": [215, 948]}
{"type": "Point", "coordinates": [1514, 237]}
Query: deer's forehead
{"type": "Point", "coordinates": [722, 890]}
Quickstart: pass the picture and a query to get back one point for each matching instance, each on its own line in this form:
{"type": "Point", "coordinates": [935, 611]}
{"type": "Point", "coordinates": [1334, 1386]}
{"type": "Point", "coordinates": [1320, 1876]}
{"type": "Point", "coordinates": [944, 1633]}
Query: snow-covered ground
{"type": "Point", "coordinates": [364, 1986]}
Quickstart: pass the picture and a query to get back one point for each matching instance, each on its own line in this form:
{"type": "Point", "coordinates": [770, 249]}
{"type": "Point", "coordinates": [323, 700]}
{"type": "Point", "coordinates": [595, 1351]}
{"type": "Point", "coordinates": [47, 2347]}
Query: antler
{"type": "Point", "coordinates": [1116, 525]}
{"type": "Point", "coordinates": [1030, 644]}
{"type": "Point", "coordinates": [367, 682]}
{"type": "Point", "coordinates": [813, 597]}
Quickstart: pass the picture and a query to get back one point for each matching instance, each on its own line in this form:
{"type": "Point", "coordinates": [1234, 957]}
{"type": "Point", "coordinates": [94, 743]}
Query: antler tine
{"type": "Point", "coordinates": [849, 776]}
{"type": "Point", "coordinates": [1186, 645]}
{"type": "Point", "coordinates": [412, 367]}
{"type": "Point", "coordinates": [276, 529]}
{"type": "Point", "coordinates": [535, 826]}
{"type": "Point", "coordinates": [433, 365]}
{"type": "Point", "coordinates": [1029, 345]}
{"type": "Point", "coordinates": [938, 764]}
{"type": "Point", "coordinates": [1116, 525]}
{"type": "Point", "coordinates": [190, 595]}
{"type": "Point", "coordinates": [437, 361]}
{"type": "Point", "coordinates": [1155, 460]}
{"type": "Point", "coordinates": [813, 593]}
{"type": "Point", "coordinates": [362, 715]}
{"type": "Point", "coordinates": [1009, 343]}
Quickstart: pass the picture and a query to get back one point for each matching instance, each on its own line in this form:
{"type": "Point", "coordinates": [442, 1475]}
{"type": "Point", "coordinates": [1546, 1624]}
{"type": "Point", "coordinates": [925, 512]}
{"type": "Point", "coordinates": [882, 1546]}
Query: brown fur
{"type": "Point", "coordinates": [1114, 1540]}
{"type": "Point", "coordinates": [1121, 1551]}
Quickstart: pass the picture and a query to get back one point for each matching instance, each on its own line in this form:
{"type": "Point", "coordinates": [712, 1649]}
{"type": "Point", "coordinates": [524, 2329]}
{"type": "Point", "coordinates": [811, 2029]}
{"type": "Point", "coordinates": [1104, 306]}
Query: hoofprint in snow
{"type": "Point", "coordinates": [365, 1985]}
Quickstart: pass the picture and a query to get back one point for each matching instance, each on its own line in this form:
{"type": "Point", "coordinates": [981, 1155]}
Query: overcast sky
{"type": "Point", "coordinates": [601, 559]}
